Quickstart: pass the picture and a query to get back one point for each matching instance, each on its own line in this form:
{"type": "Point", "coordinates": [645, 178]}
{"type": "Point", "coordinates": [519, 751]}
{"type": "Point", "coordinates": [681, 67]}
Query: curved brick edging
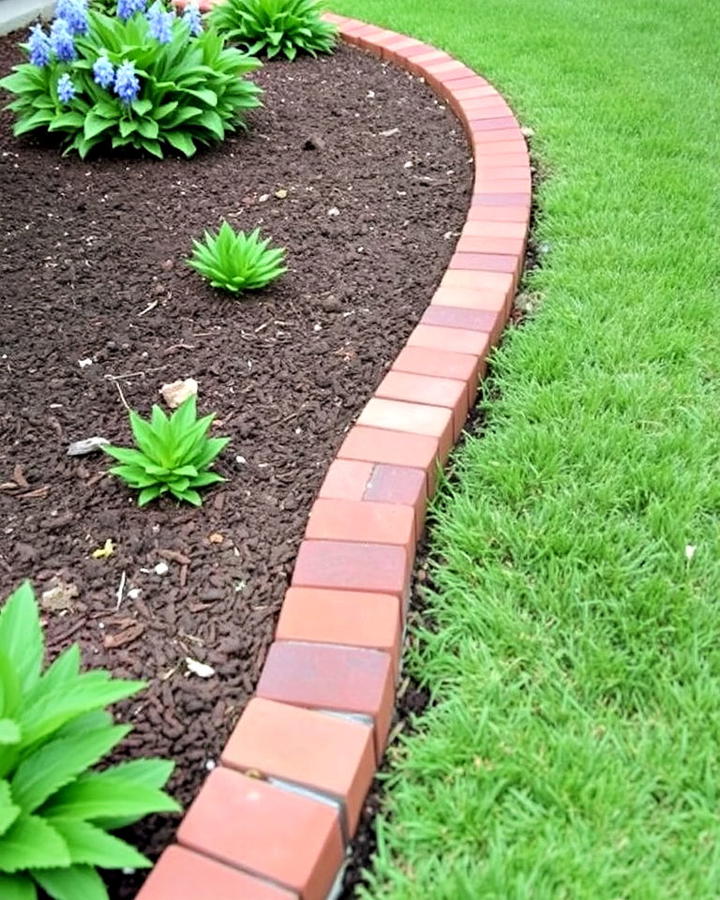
{"type": "Point", "coordinates": [273, 821]}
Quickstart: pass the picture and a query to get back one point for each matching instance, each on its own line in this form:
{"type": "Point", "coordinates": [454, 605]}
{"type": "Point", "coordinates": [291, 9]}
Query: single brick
{"type": "Point", "coordinates": [456, 83]}
{"type": "Point", "coordinates": [399, 484]}
{"type": "Point", "coordinates": [499, 110]}
{"type": "Point", "coordinates": [354, 618]}
{"type": "Point", "coordinates": [472, 93]}
{"type": "Point", "coordinates": [494, 216]}
{"type": "Point", "coordinates": [331, 677]}
{"type": "Point", "coordinates": [180, 874]}
{"type": "Point", "coordinates": [351, 520]}
{"type": "Point", "coordinates": [512, 173]}
{"type": "Point", "coordinates": [506, 245]}
{"type": "Point", "coordinates": [520, 198]}
{"type": "Point", "coordinates": [503, 186]}
{"type": "Point", "coordinates": [502, 124]}
{"type": "Point", "coordinates": [396, 448]}
{"type": "Point", "coordinates": [457, 340]}
{"type": "Point", "coordinates": [431, 391]}
{"type": "Point", "coordinates": [416, 418]}
{"type": "Point", "coordinates": [486, 262]}
{"type": "Point", "coordinates": [503, 150]}
{"type": "Point", "coordinates": [444, 364]}
{"type": "Point", "coordinates": [272, 832]}
{"type": "Point", "coordinates": [499, 281]}
{"type": "Point", "coordinates": [352, 566]}
{"type": "Point", "coordinates": [324, 753]}
{"type": "Point", "coordinates": [471, 298]}
{"type": "Point", "coordinates": [486, 228]}
{"type": "Point", "coordinates": [491, 323]}
{"type": "Point", "coordinates": [346, 479]}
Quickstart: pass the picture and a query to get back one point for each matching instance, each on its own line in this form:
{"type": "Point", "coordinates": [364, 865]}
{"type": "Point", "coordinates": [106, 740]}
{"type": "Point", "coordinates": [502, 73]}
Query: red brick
{"type": "Point", "coordinates": [457, 340]}
{"type": "Point", "coordinates": [394, 448]}
{"type": "Point", "coordinates": [520, 198]}
{"type": "Point", "coordinates": [497, 215]}
{"type": "Point", "coordinates": [346, 479]}
{"type": "Point", "coordinates": [329, 754]}
{"type": "Point", "coordinates": [516, 173]}
{"type": "Point", "coordinates": [485, 184]}
{"type": "Point", "coordinates": [445, 364]}
{"type": "Point", "coordinates": [491, 323]}
{"type": "Point", "coordinates": [470, 297]}
{"type": "Point", "coordinates": [180, 874]}
{"type": "Point", "coordinates": [413, 417]}
{"type": "Point", "coordinates": [472, 93]}
{"type": "Point", "coordinates": [456, 83]}
{"type": "Point", "coordinates": [431, 391]}
{"type": "Point", "coordinates": [499, 110]}
{"type": "Point", "coordinates": [331, 677]}
{"type": "Point", "coordinates": [351, 566]}
{"type": "Point", "coordinates": [486, 262]}
{"type": "Point", "coordinates": [288, 838]}
{"type": "Point", "coordinates": [399, 484]}
{"type": "Point", "coordinates": [463, 278]}
{"type": "Point", "coordinates": [484, 227]}
{"type": "Point", "coordinates": [506, 245]}
{"type": "Point", "coordinates": [505, 151]}
{"type": "Point", "coordinates": [502, 124]}
{"type": "Point", "coordinates": [354, 618]}
{"type": "Point", "coordinates": [351, 520]}
{"type": "Point", "coordinates": [335, 19]}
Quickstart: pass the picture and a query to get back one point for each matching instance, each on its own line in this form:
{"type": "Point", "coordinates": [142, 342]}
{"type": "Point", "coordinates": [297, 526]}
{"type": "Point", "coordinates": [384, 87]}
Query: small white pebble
{"type": "Point", "coordinates": [333, 211]}
{"type": "Point", "coordinates": [162, 568]}
{"type": "Point", "coordinates": [85, 362]}
{"type": "Point", "coordinates": [210, 765]}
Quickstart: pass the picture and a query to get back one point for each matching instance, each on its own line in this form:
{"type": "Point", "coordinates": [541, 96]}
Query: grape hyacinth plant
{"type": "Point", "coordinates": [147, 79]}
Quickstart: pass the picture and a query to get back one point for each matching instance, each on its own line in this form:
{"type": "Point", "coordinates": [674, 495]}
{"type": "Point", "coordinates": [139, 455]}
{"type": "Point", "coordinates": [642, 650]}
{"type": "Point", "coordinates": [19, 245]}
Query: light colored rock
{"type": "Point", "coordinates": [176, 392]}
{"type": "Point", "coordinates": [88, 445]}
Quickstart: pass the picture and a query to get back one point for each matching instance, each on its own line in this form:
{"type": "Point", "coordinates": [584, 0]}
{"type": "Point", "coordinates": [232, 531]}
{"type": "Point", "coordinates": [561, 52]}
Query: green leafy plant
{"type": "Point", "coordinates": [173, 454]}
{"type": "Point", "coordinates": [56, 810]}
{"type": "Point", "coordinates": [142, 80]}
{"type": "Point", "coordinates": [237, 261]}
{"type": "Point", "coordinates": [275, 26]}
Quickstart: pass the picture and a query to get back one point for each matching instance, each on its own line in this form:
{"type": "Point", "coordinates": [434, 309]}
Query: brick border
{"type": "Point", "coordinates": [273, 821]}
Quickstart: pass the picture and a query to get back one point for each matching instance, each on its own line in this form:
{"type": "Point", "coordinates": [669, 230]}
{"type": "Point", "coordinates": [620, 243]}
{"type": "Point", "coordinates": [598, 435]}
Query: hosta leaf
{"type": "Point", "coordinates": [9, 731]}
{"type": "Point", "coordinates": [152, 773]}
{"type": "Point", "coordinates": [9, 811]}
{"type": "Point", "coordinates": [17, 887]}
{"type": "Point", "coordinates": [57, 763]}
{"type": "Point", "coordinates": [95, 124]}
{"type": "Point", "coordinates": [181, 141]}
{"type": "Point", "coordinates": [99, 795]}
{"type": "Point", "coordinates": [89, 845]}
{"type": "Point", "coordinates": [72, 883]}
{"type": "Point", "coordinates": [150, 493]}
{"type": "Point", "coordinates": [30, 842]}
{"type": "Point", "coordinates": [21, 636]}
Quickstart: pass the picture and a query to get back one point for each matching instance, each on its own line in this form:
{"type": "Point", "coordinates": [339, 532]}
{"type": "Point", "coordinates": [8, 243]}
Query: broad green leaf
{"type": "Point", "coordinates": [9, 732]}
{"type": "Point", "coordinates": [89, 845]}
{"type": "Point", "coordinates": [57, 763]}
{"type": "Point", "coordinates": [31, 842]}
{"type": "Point", "coordinates": [99, 795]}
{"type": "Point", "coordinates": [142, 107]}
{"type": "Point", "coordinates": [207, 96]}
{"type": "Point", "coordinates": [96, 124]}
{"type": "Point", "coordinates": [9, 811]}
{"type": "Point", "coordinates": [181, 141]}
{"type": "Point", "coordinates": [72, 883]}
{"type": "Point", "coordinates": [21, 636]}
{"type": "Point", "coordinates": [17, 887]}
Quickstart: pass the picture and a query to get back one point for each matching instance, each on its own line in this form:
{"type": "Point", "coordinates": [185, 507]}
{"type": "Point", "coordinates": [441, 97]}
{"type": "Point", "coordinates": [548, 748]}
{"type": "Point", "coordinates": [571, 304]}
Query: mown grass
{"type": "Point", "coordinates": [573, 746]}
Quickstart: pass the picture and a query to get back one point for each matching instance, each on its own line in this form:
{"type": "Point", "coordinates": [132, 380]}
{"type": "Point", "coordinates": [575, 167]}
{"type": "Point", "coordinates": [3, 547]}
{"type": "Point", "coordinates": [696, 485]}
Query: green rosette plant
{"type": "Point", "coordinates": [142, 79]}
{"type": "Point", "coordinates": [272, 27]}
{"type": "Point", "coordinates": [236, 261]}
{"type": "Point", "coordinates": [173, 454]}
{"type": "Point", "coordinates": [56, 809]}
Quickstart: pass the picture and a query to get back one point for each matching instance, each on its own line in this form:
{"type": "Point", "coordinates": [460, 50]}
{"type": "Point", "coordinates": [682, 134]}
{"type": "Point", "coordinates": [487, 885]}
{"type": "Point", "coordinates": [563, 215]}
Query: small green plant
{"type": "Point", "coordinates": [274, 26]}
{"type": "Point", "coordinates": [237, 261]}
{"type": "Point", "coordinates": [174, 454]}
{"type": "Point", "coordinates": [56, 811]}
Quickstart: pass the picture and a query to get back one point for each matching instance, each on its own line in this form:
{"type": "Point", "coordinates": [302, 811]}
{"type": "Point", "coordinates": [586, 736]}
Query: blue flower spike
{"type": "Point", "coordinates": [65, 88]}
{"type": "Point", "coordinates": [39, 46]}
{"type": "Point", "coordinates": [103, 72]}
{"type": "Point", "coordinates": [75, 15]}
{"type": "Point", "coordinates": [127, 85]}
{"type": "Point", "coordinates": [61, 41]}
{"type": "Point", "coordinates": [160, 23]}
{"type": "Point", "coordinates": [193, 19]}
{"type": "Point", "coordinates": [126, 9]}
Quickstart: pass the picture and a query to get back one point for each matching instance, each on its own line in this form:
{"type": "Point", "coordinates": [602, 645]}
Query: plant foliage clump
{"type": "Point", "coordinates": [173, 454]}
{"type": "Point", "coordinates": [275, 26]}
{"type": "Point", "coordinates": [56, 810]}
{"type": "Point", "coordinates": [237, 261]}
{"type": "Point", "coordinates": [142, 79]}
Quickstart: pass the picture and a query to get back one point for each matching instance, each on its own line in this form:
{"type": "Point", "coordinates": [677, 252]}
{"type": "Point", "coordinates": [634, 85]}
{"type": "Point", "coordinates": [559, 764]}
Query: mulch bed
{"type": "Point", "coordinates": [359, 172]}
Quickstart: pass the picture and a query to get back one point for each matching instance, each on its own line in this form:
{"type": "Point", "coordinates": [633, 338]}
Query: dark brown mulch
{"type": "Point", "coordinates": [91, 267]}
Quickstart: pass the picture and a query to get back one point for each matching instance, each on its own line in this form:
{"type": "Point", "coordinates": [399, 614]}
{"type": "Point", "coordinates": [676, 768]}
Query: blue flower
{"type": "Point", "coordinates": [38, 46]}
{"type": "Point", "coordinates": [103, 72]}
{"type": "Point", "coordinates": [74, 14]}
{"type": "Point", "coordinates": [61, 41]}
{"type": "Point", "coordinates": [160, 23]}
{"type": "Point", "coordinates": [128, 8]}
{"type": "Point", "coordinates": [192, 19]}
{"type": "Point", "coordinates": [127, 86]}
{"type": "Point", "coordinates": [65, 88]}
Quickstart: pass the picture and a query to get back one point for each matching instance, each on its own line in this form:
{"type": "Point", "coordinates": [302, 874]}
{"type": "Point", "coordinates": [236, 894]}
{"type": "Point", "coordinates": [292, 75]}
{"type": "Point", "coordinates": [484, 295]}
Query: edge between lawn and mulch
{"type": "Point", "coordinates": [274, 819]}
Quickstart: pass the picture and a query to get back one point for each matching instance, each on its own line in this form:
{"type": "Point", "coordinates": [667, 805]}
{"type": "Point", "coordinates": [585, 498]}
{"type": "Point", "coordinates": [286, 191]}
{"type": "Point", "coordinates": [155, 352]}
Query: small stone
{"type": "Point", "coordinates": [263, 198]}
{"type": "Point", "coordinates": [527, 131]}
{"type": "Point", "coordinates": [281, 194]}
{"type": "Point", "coordinates": [59, 597]}
{"type": "Point", "coordinates": [197, 668]}
{"type": "Point", "coordinates": [168, 264]}
{"type": "Point", "coordinates": [177, 392]}
{"type": "Point", "coordinates": [408, 164]}
{"type": "Point", "coordinates": [161, 568]}
{"type": "Point", "coordinates": [333, 211]}
{"type": "Point", "coordinates": [84, 363]}
{"type": "Point", "coordinates": [240, 460]}
{"type": "Point", "coordinates": [216, 538]}
{"type": "Point", "coordinates": [88, 445]}
{"type": "Point", "coordinates": [134, 593]}
{"type": "Point", "coordinates": [390, 132]}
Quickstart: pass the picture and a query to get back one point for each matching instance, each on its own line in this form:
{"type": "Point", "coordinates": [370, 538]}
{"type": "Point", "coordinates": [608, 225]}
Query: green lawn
{"type": "Point", "coordinates": [573, 750]}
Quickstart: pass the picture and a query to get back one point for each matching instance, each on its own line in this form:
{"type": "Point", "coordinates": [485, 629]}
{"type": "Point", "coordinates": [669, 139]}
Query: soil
{"type": "Point", "coordinates": [364, 177]}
